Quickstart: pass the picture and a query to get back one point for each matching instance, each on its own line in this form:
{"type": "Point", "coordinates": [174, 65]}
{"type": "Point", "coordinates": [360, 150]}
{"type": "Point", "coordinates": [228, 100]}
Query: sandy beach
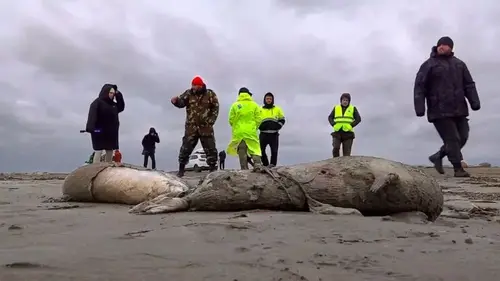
{"type": "Point", "coordinates": [75, 241]}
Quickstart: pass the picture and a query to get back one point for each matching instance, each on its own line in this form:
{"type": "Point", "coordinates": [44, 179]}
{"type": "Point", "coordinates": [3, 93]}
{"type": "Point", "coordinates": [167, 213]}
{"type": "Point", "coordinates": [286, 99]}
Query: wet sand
{"type": "Point", "coordinates": [74, 241]}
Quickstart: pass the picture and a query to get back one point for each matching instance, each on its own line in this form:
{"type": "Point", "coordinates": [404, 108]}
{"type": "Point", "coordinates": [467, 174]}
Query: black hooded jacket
{"type": "Point", "coordinates": [444, 82]}
{"type": "Point", "coordinates": [150, 140]}
{"type": "Point", "coordinates": [222, 155]}
{"type": "Point", "coordinates": [103, 122]}
{"type": "Point", "coordinates": [357, 116]}
{"type": "Point", "coordinates": [271, 125]}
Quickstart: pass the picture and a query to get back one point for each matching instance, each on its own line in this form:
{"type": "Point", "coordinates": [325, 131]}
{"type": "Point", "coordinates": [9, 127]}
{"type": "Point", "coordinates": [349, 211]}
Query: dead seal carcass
{"type": "Point", "coordinates": [119, 183]}
{"type": "Point", "coordinates": [370, 185]}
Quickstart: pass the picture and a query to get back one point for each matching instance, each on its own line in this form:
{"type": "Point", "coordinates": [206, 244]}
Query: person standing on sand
{"type": "Point", "coordinates": [445, 83]}
{"type": "Point", "coordinates": [222, 160]}
{"type": "Point", "coordinates": [273, 120]}
{"type": "Point", "coordinates": [103, 123]}
{"type": "Point", "coordinates": [202, 110]}
{"type": "Point", "coordinates": [343, 118]}
{"type": "Point", "coordinates": [149, 147]}
{"type": "Point", "coordinates": [244, 119]}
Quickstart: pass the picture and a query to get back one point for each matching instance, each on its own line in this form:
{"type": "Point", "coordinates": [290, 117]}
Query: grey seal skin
{"type": "Point", "coordinates": [108, 182]}
{"type": "Point", "coordinates": [343, 185]}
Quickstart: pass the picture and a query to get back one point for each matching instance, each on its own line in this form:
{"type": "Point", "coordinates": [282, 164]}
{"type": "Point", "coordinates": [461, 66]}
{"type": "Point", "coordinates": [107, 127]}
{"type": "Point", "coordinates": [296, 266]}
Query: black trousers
{"type": "Point", "coordinates": [454, 132]}
{"type": "Point", "coordinates": [271, 139]}
{"type": "Point", "coordinates": [153, 160]}
{"type": "Point", "coordinates": [222, 165]}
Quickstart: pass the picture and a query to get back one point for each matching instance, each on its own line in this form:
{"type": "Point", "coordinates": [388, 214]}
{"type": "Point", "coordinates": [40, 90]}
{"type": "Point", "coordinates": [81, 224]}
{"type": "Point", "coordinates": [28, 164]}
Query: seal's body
{"type": "Point", "coordinates": [119, 183]}
{"type": "Point", "coordinates": [370, 185]}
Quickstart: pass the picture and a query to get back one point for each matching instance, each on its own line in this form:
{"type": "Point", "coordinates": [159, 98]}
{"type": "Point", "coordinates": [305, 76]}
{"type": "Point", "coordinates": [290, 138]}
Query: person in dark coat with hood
{"type": "Point", "coordinates": [343, 118]}
{"type": "Point", "coordinates": [222, 160]}
{"type": "Point", "coordinates": [149, 147]}
{"type": "Point", "coordinates": [445, 84]}
{"type": "Point", "coordinates": [103, 122]}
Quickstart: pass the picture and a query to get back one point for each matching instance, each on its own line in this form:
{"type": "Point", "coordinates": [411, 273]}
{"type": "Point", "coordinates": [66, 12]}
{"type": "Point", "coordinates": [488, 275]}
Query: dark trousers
{"type": "Point", "coordinates": [454, 132]}
{"type": "Point", "coordinates": [271, 139]}
{"type": "Point", "coordinates": [342, 139]}
{"type": "Point", "coordinates": [153, 160]}
{"type": "Point", "coordinates": [189, 142]}
{"type": "Point", "coordinates": [222, 165]}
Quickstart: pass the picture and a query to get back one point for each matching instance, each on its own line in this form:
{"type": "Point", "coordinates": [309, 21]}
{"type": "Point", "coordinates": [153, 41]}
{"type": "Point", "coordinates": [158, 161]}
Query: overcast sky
{"type": "Point", "coordinates": [56, 55]}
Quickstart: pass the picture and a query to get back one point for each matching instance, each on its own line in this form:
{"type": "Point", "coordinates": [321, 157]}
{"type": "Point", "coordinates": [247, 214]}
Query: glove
{"type": "Point", "coordinates": [475, 107]}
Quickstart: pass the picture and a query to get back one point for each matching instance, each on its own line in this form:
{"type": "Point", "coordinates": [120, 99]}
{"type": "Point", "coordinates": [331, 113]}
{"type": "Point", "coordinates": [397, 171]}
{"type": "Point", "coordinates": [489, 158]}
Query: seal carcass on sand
{"type": "Point", "coordinates": [341, 185]}
{"type": "Point", "coordinates": [109, 182]}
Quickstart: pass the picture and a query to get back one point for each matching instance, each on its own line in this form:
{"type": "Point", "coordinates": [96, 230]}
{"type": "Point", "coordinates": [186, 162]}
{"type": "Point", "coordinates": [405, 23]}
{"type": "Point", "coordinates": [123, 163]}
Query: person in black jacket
{"type": "Point", "coordinates": [149, 147]}
{"type": "Point", "coordinates": [222, 160]}
{"type": "Point", "coordinates": [445, 83]}
{"type": "Point", "coordinates": [273, 120]}
{"type": "Point", "coordinates": [103, 122]}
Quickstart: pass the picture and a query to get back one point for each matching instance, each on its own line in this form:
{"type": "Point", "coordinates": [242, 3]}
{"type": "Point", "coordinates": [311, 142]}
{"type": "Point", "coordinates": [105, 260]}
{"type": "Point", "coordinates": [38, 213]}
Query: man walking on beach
{"type": "Point", "coordinates": [202, 110]}
{"type": "Point", "coordinates": [445, 83]}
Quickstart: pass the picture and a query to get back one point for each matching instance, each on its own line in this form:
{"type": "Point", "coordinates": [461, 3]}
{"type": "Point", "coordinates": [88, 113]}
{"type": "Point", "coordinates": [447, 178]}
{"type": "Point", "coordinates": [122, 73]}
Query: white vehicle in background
{"type": "Point", "coordinates": [197, 161]}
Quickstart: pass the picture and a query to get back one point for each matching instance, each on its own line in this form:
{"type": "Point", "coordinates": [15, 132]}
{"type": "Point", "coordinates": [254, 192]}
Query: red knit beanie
{"type": "Point", "coordinates": [197, 81]}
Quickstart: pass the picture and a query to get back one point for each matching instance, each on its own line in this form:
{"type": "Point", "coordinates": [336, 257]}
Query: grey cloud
{"type": "Point", "coordinates": [306, 52]}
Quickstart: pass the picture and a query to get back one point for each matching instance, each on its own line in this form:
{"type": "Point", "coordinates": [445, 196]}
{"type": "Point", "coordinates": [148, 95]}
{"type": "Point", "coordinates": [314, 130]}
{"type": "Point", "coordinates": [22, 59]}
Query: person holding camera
{"type": "Point", "coordinates": [149, 147]}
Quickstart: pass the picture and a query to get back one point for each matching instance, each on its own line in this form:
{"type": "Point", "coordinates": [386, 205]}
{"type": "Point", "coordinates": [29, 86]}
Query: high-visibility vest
{"type": "Point", "coordinates": [343, 121]}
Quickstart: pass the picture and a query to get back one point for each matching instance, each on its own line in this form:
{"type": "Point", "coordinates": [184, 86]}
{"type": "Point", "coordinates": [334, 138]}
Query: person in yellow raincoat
{"type": "Point", "coordinates": [244, 119]}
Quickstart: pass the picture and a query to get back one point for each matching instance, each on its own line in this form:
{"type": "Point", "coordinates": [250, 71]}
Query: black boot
{"type": "Point", "coordinates": [182, 168]}
{"type": "Point", "coordinates": [437, 160]}
{"type": "Point", "coordinates": [213, 168]}
{"type": "Point", "coordinates": [460, 172]}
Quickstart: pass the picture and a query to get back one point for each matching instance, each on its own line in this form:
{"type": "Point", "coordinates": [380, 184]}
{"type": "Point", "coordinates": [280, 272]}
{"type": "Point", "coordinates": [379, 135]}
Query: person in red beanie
{"type": "Point", "coordinates": [202, 110]}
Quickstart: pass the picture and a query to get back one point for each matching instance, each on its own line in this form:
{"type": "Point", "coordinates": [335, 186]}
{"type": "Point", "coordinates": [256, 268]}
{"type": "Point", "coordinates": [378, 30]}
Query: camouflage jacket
{"type": "Point", "coordinates": [202, 110]}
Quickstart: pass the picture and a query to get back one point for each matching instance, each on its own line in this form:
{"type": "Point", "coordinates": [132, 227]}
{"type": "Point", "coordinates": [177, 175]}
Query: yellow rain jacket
{"type": "Point", "coordinates": [244, 119]}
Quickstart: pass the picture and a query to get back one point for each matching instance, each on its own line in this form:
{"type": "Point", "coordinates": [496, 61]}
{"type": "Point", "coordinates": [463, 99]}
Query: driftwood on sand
{"type": "Point", "coordinates": [342, 185]}
{"type": "Point", "coordinates": [119, 183]}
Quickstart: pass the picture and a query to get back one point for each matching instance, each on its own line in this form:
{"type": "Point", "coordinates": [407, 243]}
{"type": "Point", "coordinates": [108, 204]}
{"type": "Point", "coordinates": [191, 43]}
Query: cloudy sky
{"type": "Point", "coordinates": [56, 54]}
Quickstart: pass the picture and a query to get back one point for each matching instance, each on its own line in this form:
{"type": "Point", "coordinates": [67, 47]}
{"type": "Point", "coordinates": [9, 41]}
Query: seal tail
{"type": "Point", "coordinates": [382, 182]}
{"type": "Point", "coordinates": [161, 204]}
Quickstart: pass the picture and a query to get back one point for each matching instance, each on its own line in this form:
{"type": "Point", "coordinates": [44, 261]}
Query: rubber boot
{"type": "Point", "coordinates": [257, 163]}
{"type": "Point", "coordinates": [182, 169]}
{"type": "Point", "coordinates": [242, 155]}
{"type": "Point", "coordinates": [437, 160]}
{"type": "Point", "coordinates": [460, 172]}
{"type": "Point", "coordinates": [243, 162]}
{"type": "Point", "coordinates": [213, 168]}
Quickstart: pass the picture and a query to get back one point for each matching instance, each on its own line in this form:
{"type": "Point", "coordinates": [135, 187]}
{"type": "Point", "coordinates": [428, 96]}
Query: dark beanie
{"type": "Point", "coordinates": [244, 90]}
{"type": "Point", "coordinates": [445, 41]}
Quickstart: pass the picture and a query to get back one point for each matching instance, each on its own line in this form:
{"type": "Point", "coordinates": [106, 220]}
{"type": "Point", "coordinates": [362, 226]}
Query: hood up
{"type": "Point", "coordinates": [271, 105]}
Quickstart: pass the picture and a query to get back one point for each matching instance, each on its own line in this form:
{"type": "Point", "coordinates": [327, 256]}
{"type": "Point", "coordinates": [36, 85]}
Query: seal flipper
{"type": "Point", "coordinates": [383, 181]}
{"type": "Point", "coordinates": [161, 204]}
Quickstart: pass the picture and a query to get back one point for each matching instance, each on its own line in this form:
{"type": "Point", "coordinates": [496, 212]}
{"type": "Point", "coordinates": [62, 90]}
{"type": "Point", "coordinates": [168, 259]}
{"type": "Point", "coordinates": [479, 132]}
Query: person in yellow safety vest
{"type": "Point", "coordinates": [273, 120]}
{"type": "Point", "coordinates": [343, 118]}
{"type": "Point", "coordinates": [244, 119]}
